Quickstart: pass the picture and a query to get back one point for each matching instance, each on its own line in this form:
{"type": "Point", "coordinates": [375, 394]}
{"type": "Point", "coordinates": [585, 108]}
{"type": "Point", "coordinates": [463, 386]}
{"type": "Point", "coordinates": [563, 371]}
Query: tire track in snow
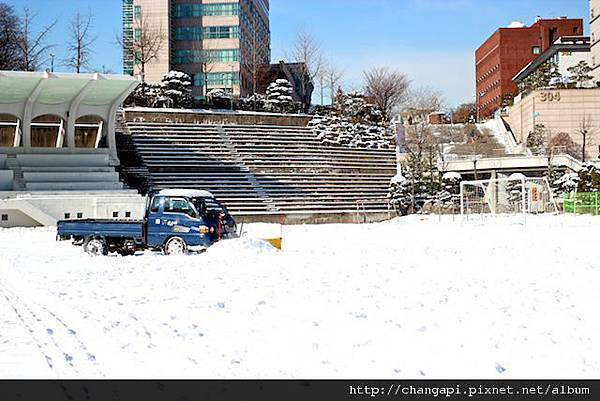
{"type": "Point", "coordinates": [64, 352]}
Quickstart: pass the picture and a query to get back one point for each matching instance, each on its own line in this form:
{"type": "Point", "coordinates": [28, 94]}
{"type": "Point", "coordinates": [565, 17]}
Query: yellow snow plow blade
{"type": "Point", "coordinates": [275, 242]}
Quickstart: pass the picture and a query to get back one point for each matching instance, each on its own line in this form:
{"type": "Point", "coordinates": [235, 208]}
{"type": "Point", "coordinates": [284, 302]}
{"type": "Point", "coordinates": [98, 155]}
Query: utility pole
{"type": "Point", "coordinates": [52, 55]}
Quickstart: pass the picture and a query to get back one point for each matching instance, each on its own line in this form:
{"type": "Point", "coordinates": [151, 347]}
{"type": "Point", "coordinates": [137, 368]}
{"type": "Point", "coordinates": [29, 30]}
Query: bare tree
{"type": "Point", "coordinates": [32, 45]}
{"type": "Point", "coordinates": [10, 56]}
{"type": "Point", "coordinates": [387, 88]}
{"type": "Point", "coordinates": [146, 44]}
{"type": "Point", "coordinates": [321, 82]}
{"type": "Point", "coordinates": [307, 50]}
{"type": "Point", "coordinates": [334, 77]}
{"type": "Point", "coordinates": [586, 128]}
{"type": "Point", "coordinates": [81, 42]}
{"type": "Point", "coordinates": [424, 98]}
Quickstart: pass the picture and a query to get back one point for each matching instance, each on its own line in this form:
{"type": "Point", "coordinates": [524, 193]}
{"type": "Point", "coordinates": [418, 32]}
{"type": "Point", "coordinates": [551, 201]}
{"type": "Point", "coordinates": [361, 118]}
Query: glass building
{"type": "Point", "coordinates": [219, 43]}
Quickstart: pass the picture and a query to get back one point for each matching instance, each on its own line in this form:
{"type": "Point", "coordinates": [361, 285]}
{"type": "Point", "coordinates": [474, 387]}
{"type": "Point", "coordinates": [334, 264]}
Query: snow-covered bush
{"type": "Point", "coordinates": [536, 141]}
{"type": "Point", "coordinates": [256, 102]}
{"type": "Point", "coordinates": [589, 178]}
{"type": "Point", "coordinates": [177, 88]}
{"type": "Point", "coordinates": [565, 184]}
{"type": "Point", "coordinates": [449, 196]}
{"type": "Point", "coordinates": [279, 97]}
{"type": "Point", "coordinates": [340, 131]}
{"type": "Point", "coordinates": [356, 123]}
{"type": "Point", "coordinates": [220, 99]}
{"type": "Point", "coordinates": [400, 196]}
{"type": "Point", "coordinates": [146, 94]}
{"type": "Point", "coordinates": [174, 90]}
{"type": "Point", "coordinates": [358, 109]}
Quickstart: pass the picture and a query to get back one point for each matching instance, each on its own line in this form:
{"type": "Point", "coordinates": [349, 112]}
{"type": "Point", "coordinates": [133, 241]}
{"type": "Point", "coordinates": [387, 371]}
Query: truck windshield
{"type": "Point", "coordinates": [208, 206]}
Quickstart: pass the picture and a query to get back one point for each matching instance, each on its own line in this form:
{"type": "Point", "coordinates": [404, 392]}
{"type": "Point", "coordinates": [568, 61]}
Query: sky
{"type": "Point", "coordinates": [431, 41]}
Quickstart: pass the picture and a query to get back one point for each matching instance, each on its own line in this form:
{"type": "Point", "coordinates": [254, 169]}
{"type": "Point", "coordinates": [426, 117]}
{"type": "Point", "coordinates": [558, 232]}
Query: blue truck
{"type": "Point", "coordinates": [176, 221]}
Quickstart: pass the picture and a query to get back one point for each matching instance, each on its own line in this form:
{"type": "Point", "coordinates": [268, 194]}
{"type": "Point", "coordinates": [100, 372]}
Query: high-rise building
{"type": "Point", "coordinates": [595, 37]}
{"type": "Point", "coordinates": [219, 43]}
{"type": "Point", "coordinates": [508, 51]}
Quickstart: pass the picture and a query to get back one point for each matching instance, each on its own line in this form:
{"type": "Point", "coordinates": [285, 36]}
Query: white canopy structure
{"type": "Point", "coordinates": [28, 95]}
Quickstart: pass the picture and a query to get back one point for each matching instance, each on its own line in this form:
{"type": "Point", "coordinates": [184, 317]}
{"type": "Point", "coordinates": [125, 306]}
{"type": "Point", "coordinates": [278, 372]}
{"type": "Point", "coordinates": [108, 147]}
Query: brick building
{"type": "Point", "coordinates": [507, 51]}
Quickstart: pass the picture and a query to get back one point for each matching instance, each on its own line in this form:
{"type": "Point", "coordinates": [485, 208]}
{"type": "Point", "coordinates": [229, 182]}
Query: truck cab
{"type": "Point", "coordinates": [193, 216]}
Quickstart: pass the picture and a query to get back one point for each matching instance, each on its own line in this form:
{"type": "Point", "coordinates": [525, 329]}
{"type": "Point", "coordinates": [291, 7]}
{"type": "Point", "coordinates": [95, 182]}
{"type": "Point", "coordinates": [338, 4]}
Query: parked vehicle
{"type": "Point", "coordinates": [176, 221]}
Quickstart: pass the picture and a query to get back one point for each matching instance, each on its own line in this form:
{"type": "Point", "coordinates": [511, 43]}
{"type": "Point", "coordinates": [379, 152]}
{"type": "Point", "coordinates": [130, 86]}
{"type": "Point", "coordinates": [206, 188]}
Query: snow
{"type": "Point", "coordinates": [417, 297]}
{"type": "Point", "coordinates": [451, 175]}
{"type": "Point", "coordinates": [190, 193]}
{"type": "Point", "coordinates": [516, 24]}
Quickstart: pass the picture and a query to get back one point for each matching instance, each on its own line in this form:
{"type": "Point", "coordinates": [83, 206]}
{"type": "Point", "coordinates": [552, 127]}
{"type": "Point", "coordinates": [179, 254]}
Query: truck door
{"type": "Point", "coordinates": [179, 218]}
{"type": "Point", "coordinates": [155, 231]}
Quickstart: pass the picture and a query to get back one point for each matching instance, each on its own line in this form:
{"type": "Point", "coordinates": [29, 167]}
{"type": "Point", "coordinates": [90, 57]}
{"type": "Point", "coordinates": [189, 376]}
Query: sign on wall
{"type": "Point", "coordinates": [550, 96]}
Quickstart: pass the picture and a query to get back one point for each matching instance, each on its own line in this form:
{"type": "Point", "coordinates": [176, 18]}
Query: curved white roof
{"type": "Point", "coordinates": [189, 193]}
{"type": "Point", "coordinates": [55, 88]}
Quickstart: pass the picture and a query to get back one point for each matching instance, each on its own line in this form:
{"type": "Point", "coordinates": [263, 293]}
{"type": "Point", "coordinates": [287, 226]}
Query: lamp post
{"type": "Point", "coordinates": [52, 62]}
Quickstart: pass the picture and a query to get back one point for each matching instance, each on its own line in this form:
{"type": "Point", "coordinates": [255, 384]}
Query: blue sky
{"type": "Point", "coordinates": [432, 41]}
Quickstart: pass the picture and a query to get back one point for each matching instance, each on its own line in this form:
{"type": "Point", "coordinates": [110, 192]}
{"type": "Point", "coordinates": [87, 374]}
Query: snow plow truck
{"type": "Point", "coordinates": [176, 221]}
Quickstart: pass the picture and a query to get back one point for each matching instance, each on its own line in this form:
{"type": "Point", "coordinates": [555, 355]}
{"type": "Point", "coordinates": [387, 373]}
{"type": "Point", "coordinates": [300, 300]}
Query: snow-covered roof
{"type": "Point", "coordinates": [188, 193]}
{"type": "Point", "coordinates": [452, 175]}
{"type": "Point", "coordinates": [516, 24]}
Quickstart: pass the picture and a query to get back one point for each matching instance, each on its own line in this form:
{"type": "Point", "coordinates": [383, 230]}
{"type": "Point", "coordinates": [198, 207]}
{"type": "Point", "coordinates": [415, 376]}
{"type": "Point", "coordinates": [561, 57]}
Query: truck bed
{"type": "Point", "coordinates": [133, 229]}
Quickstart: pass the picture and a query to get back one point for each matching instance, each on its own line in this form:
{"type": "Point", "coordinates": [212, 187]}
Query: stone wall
{"type": "Point", "coordinates": [215, 117]}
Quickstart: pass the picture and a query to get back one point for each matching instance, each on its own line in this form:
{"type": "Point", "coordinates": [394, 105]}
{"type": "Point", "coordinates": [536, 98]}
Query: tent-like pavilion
{"type": "Point", "coordinates": [66, 101]}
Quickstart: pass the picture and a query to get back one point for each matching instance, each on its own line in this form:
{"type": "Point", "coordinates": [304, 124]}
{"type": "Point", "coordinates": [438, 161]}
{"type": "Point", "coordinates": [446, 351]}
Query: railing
{"type": "Point", "coordinates": [362, 211]}
{"type": "Point", "coordinates": [582, 203]}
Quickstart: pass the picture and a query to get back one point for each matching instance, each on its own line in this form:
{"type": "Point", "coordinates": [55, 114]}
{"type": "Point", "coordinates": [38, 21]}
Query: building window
{"type": "Point", "coordinates": [188, 33]}
{"type": "Point", "coordinates": [205, 10]}
{"type": "Point", "coordinates": [4, 217]}
{"type": "Point", "coordinates": [212, 32]}
{"type": "Point", "coordinates": [221, 32]}
{"type": "Point", "coordinates": [67, 216]}
{"type": "Point", "coordinates": [137, 12]}
{"type": "Point", "coordinates": [80, 215]}
{"type": "Point", "coordinates": [127, 215]}
{"type": "Point", "coordinates": [206, 56]}
{"type": "Point", "coordinates": [115, 214]}
{"type": "Point", "coordinates": [536, 50]}
{"type": "Point", "coordinates": [221, 79]}
{"type": "Point", "coordinates": [137, 34]}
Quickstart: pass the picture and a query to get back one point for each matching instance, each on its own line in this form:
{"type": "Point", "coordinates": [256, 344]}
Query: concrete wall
{"type": "Point", "coordinates": [218, 118]}
{"type": "Point", "coordinates": [156, 13]}
{"type": "Point", "coordinates": [560, 110]}
{"type": "Point", "coordinates": [27, 209]}
{"type": "Point", "coordinates": [6, 180]}
{"type": "Point", "coordinates": [16, 218]}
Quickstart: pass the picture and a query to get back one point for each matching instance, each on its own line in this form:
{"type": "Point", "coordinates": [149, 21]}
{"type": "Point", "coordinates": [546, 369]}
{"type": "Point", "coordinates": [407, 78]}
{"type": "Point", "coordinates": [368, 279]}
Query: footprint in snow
{"type": "Point", "coordinates": [500, 368]}
{"type": "Point", "coordinates": [50, 331]}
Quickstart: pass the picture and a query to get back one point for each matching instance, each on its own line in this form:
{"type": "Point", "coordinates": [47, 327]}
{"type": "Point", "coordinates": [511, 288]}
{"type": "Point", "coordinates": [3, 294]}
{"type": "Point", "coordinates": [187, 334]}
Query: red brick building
{"type": "Point", "coordinates": [507, 52]}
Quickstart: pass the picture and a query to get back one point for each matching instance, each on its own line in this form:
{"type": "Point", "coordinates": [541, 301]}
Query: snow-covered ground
{"type": "Point", "coordinates": [418, 297]}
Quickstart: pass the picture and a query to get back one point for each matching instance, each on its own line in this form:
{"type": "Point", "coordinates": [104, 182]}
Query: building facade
{"type": "Point", "coordinates": [507, 51]}
{"type": "Point", "coordinates": [560, 111]}
{"type": "Point", "coordinates": [595, 38]}
{"type": "Point", "coordinates": [565, 53]}
{"type": "Point", "coordinates": [295, 73]}
{"type": "Point", "coordinates": [219, 43]}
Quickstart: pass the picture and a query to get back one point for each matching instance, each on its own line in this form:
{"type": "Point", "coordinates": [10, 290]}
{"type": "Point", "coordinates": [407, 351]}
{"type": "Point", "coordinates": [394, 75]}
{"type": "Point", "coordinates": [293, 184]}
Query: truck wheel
{"type": "Point", "coordinates": [175, 246]}
{"type": "Point", "coordinates": [95, 247]}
